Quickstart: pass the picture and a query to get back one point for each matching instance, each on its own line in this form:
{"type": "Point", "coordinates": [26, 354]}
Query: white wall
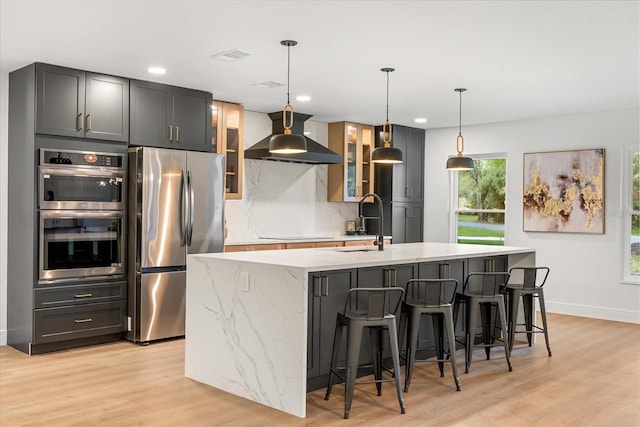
{"type": "Point", "coordinates": [586, 270]}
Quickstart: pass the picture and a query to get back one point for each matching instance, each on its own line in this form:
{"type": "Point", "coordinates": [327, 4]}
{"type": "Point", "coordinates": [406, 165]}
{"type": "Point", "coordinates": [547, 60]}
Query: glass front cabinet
{"type": "Point", "coordinates": [349, 181]}
{"type": "Point", "coordinates": [227, 138]}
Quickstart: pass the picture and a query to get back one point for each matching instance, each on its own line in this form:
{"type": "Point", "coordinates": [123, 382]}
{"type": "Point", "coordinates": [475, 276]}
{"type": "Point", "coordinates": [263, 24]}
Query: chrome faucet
{"type": "Point", "coordinates": [380, 239]}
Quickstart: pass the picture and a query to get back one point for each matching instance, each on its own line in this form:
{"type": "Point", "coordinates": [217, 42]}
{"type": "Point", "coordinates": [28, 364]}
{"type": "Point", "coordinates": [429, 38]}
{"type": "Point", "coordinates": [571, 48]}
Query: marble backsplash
{"type": "Point", "coordinates": [284, 199]}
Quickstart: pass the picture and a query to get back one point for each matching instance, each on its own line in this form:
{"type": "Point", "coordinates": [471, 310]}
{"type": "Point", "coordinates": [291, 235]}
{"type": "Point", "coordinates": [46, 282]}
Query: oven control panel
{"type": "Point", "coordinates": [81, 158]}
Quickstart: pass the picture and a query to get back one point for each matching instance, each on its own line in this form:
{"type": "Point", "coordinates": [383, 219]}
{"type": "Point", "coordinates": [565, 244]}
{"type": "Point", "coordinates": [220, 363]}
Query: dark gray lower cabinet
{"type": "Point", "coordinates": [81, 321]}
{"type": "Point", "coordinates": [68, 312]}
{"type": "Point", "coordinates": [328, 289]}
{"type": "Point", "coordinates": [327, 293]}
{"type": "Point", "coordinates": [406, 222]}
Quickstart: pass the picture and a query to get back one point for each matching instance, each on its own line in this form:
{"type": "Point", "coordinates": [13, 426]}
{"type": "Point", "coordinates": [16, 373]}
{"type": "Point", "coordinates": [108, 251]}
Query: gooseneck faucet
{"type": "Point", "coordinates": [380, 238]}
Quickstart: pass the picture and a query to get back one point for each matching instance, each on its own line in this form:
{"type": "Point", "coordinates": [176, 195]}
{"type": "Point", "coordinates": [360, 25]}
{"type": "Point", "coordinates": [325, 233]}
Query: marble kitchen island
{"type": "Point", "coordinates": [247, 321]}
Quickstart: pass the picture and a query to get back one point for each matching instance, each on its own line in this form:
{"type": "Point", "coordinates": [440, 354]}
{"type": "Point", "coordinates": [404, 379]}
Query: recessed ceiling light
{"type": "Point", "coordinates": [156, 70]}
{"type": "Point", "coordinates": [420, 120]}
{"type": "Point", "coordinates": [229, 55]}
{"type": "Point", "coordinates": [303, 98]}
{"type": "Point", "coordinates": [268, 85]}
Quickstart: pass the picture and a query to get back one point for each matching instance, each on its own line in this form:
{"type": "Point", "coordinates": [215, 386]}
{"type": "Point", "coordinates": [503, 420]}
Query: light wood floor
{"type": "Point", "coordinates": [592, 379]}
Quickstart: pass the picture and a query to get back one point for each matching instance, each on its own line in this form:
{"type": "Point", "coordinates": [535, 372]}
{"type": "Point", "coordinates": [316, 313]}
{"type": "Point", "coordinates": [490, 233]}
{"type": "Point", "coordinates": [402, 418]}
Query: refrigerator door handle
{"type": "Point", "coordinates": [191, 207]}
{"type": "Point", "coordinates": [185, 210]}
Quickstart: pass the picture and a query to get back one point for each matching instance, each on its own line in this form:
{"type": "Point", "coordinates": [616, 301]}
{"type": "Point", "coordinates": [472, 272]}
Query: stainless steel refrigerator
{"type": "Point", "coordinates": [176, 201]}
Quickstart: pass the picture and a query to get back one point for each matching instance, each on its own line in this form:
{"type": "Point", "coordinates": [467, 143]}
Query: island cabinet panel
{"type": "Point", "coordinates": [170, 117]}
{"type": "Point", "coordinates": [81, 104]}
{"type": "Point", "coordinates": [327, 293]}
{"type": "Point", "coordinates": [488, 264]}
{"type": "Point", "coordinates": [383, 276]}
{"type": "Point", "coordinates": [450, 269]}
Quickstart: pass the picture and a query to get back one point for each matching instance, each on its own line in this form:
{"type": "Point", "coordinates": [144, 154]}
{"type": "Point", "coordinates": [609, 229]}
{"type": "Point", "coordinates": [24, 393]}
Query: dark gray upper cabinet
{"type": "Point", "coordinates": [404, 180]}
{"type": "Point", "coordinates": [170, 117]}
{"type": "Point", "coordinates": [80, 104]}
{"type": "Point", "coordinates": [401, 186]}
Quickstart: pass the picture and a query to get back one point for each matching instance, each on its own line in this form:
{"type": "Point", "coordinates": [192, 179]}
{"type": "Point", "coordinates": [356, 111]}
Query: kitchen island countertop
{"type": "Point", "coordinates": [247, 312]}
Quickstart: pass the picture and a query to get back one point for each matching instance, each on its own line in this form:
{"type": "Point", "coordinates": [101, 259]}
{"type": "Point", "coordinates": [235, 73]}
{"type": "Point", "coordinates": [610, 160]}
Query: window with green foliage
{"type": "Point", "coordinates": [632, 266]}
{"type": "Point", "coordinates": [480, 211]}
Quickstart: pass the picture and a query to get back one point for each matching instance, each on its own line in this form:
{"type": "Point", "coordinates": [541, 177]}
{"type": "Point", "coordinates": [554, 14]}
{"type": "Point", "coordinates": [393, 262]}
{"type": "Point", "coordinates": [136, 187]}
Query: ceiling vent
{"type": "Point", "coordinates": [268, 85]}
{"type": "Point", "coordinates": [230, 55]}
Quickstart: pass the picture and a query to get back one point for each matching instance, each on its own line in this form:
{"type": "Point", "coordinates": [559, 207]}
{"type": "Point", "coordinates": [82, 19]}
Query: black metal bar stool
{"type": "Point", "coordinates": [530, 281]}
{"type": "Point", "coordinates": [431, 297]}
{"type": "Point", "coordinates": [480, 294]}
{"type": "Point", "coordinates": [372, 308]}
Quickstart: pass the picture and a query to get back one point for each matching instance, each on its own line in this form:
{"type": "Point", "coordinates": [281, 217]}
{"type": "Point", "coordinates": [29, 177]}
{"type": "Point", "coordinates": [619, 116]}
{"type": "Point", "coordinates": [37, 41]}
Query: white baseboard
{"type": "Point", "coordinates": [594, 312]}
{"type": "Point", "coordinates": [3, 337]}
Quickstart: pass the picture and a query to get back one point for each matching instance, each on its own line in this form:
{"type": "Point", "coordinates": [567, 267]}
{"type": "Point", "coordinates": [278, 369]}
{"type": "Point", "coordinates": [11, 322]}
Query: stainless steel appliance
{"type": "Point", "coordinates": [81, 216]}
{"type": "Point", "coordinates": [176, 201]}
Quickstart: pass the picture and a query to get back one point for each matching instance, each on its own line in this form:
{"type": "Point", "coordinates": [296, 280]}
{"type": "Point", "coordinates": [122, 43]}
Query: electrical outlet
{"type": "Point", "coordinates": [244, 282]}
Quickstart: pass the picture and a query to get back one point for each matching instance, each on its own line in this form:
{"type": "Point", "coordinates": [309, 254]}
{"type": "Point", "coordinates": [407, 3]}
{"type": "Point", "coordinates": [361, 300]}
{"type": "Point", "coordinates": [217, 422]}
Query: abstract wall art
{"type": "Point", "coordinates": [564, 191]}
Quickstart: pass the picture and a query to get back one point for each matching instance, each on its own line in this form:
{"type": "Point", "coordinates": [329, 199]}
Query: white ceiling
{"type": "Point", "coordinates": [518, 59]}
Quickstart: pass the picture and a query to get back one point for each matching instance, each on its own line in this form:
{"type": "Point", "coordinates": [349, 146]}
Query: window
{"type": "Point", "coordinates": [632, 220]}
{"type": "Point", "coordinates": [479, 202]}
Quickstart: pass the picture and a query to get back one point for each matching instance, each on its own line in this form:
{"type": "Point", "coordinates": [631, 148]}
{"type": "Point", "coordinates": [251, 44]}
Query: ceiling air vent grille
{"type": "Point", "coordinates": [270, 84]}
{"type": "Point", "coordinates": [230, 55]}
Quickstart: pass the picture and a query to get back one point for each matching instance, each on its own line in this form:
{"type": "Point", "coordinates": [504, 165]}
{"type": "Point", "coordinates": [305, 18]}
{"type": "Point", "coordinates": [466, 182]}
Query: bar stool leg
{"type": "Point", "coordinates": [375, 335]}
{"type": "Point", "coordinates": [470, 333]}
{"type": "Point", "coordinates": [354, 338]}
{"type": "Point", "coordinates": [438, 336]}
{"type": "Point", "coordinates": [451, 337]}
{"type": "Point", "coordinates": [337, 340]}
{"type": "Point", "coordinates": [412, 343]}
{"type": "Point", "coordinates": [485, 316]}
{"type": "Point", "coordinates": [527, 304]}
{"type": "Point", "coordinates": [505, 337]}
{"type": "Point", "coordinates": [514, 303]}
{"type": "Point", "coordinates": [543, 314]}
{"type": "Point", "coordinates": [395, 354]}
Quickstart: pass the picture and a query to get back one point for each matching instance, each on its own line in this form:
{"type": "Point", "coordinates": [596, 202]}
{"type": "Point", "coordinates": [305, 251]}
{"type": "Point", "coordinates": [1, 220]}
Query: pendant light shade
{"type": "Point", "coordinates": [288, 143]}
{"type": "Point", "coordinates": [460, 162]}
{"type": "Point", "coordinates": [387, 153]}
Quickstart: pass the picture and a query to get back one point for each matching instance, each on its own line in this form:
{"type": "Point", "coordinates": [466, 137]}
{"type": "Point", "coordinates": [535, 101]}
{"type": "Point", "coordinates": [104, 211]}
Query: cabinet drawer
{"type": "Point", "coordinates": [64, 323]}
{"type": "Point", "coordinates": [80, 294]}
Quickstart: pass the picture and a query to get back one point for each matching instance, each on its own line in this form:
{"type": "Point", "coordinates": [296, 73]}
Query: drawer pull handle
{"type": "Point", "coordinates": [83, 320]}
{"type": "Point", "coordinates": [83, 295]}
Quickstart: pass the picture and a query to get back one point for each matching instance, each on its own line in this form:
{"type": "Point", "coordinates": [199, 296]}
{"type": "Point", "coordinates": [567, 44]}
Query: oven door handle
{"type": "Point", "coordinates": [185, 210]}
{"type": "Point", "coordinates": [191, 206]}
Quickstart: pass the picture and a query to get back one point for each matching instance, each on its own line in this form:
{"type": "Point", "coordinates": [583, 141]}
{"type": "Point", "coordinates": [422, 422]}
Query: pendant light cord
{"type": "Point", "coordinates": [387, 95]}
{"type": "Point", "coordinates": [460, 121]}
{"type": "Point", "coordinates": [288, 69]}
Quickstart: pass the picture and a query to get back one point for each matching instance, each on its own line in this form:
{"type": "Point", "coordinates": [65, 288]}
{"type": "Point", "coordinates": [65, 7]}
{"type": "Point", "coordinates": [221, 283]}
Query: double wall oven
{"type": "Point", "coordinates": [81, 216]}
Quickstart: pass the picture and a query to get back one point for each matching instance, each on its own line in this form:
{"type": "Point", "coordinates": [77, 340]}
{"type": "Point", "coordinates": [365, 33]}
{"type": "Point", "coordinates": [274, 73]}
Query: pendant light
{"type": "Point", "coordinates": [459, 162]}
{"type": "Point", "coordinates": [387, 154]}
{"type": "Point", "coordinates": [288, 143]}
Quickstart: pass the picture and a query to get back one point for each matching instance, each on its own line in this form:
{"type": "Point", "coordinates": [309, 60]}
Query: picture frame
{"type": "Point", "coordinates": [563, 191]}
